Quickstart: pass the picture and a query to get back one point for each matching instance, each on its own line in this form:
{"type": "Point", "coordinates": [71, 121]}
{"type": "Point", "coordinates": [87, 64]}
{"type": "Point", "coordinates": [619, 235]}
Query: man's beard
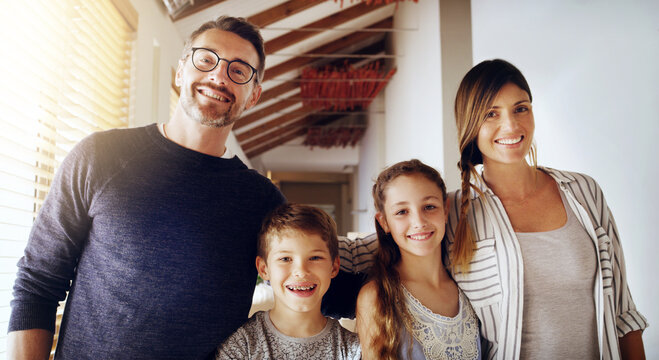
{"type": "Point", "coordinates": [209, 115]}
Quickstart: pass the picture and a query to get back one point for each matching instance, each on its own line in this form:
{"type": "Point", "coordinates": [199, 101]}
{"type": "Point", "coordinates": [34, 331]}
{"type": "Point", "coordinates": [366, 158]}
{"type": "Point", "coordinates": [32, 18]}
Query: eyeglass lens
{"type": "Point", "coordinates": [206, 60]}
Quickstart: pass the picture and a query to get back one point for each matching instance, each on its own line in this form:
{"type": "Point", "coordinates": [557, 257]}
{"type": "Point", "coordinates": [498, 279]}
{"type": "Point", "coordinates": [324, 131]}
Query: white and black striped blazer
{"type": "Point", "coordinates": [495, 281]}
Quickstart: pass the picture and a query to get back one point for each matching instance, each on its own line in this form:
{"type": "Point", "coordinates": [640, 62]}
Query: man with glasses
{"type": "Point", "coordinates": [152, 230]}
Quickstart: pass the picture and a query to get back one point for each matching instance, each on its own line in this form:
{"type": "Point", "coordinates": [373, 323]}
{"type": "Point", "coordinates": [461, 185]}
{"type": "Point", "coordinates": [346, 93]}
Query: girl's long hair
{"type": "Point", "coordinates": [474, 98]}
{"type": "Point", "coordinates": [391, 313]}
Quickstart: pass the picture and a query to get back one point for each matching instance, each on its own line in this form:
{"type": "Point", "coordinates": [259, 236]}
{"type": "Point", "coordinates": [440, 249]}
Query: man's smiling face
{"type": "Point", "coordinates": [211, 98]}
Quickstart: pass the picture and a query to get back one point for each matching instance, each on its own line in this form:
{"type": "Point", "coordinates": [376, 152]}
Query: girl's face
{"type": "Point", "coordinates": [507, 133]}
{"type": "Point", "coordinates": [415, 214]}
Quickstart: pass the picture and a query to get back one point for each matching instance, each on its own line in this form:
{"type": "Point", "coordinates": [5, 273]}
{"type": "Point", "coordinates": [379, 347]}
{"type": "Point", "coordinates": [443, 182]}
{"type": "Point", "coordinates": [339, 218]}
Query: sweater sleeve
{"type": "Point", "coordinates": [357, 255]}
{"type": "Point", "coordinates": [59, 231]}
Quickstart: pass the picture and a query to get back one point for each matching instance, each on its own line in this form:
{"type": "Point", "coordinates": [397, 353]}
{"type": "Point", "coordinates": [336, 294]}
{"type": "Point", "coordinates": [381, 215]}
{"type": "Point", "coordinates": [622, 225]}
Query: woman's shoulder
{"type": "Point", "coordinates": [574, 180]}
{"type": "Point", "coordinates": [566, 175]}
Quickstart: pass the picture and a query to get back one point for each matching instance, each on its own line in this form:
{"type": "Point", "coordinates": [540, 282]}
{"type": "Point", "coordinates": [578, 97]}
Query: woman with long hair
{"type": "Point", "coordinates": [547, 277]}
{"type": "Point", "coordinates": [411, 308]}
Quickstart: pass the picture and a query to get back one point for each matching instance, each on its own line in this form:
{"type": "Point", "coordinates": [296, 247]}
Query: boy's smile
{"type": "Point", "coordinates": [302, 290]}
{"type": "Point", "coordinates": [300, 268]}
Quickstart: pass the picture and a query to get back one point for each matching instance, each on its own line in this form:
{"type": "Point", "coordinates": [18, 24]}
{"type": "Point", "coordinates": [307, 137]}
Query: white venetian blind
{"type": "Point", "coordinates": [64, 73]}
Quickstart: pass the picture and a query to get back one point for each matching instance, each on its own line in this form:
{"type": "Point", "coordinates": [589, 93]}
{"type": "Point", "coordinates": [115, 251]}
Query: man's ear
{"type": "Point", "coordinates": [254, 98]}
{"type": "Point", "coordinates": [262, 268]}
{"type": "Point", "coordinates": [179, 74]}
{"type": "Point", "coordinates": [382, 221]}
{"type": "Point", "coordinates": [335, 267]}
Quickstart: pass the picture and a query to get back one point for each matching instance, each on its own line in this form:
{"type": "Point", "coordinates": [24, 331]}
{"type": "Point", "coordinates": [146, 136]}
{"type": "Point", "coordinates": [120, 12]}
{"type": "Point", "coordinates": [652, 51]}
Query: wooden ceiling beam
{"type": "Point", "coordinates": [329, 22]}
{"type": "Point", "coordinates": [279, 12]}
{"type": "Point", "coordinates": [260, 129]}
{"type": "Point", "coordinates": [332, 47]}
{"type": "Point", "coordinates": [305, 122]}
{"type": "Point", "coordinates": [282, 140]}
{"type": "Point", "coordinates": [288, 137]}
{"type": "Point", "coordinates": [259, 114]}
{"type": "Point", "coordinates": [279, 89]}
{"type": "Point", "coordinates": [262, 19]}
{"type": "Point", "coordinates": [256, 142]}
{"type": "Point", "coordinates": [199, 5]}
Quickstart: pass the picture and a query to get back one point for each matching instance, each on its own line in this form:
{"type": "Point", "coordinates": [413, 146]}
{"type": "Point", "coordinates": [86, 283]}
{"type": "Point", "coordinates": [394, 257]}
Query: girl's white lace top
{"type": "Point", "coordinates": [441, 337]}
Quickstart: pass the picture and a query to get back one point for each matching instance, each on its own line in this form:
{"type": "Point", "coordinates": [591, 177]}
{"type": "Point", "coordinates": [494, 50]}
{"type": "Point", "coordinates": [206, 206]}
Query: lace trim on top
{"type": "Point", "coordinates": [443, 337]}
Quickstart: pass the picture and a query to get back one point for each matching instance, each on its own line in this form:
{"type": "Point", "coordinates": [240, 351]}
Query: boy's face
{"type": "Point", "coordinates": [300, 268]}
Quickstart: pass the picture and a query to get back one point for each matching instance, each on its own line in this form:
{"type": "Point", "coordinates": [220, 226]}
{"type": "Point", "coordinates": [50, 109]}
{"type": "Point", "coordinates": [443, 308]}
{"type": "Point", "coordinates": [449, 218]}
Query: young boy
{"type": "Point", "coordinates": [298, 254]}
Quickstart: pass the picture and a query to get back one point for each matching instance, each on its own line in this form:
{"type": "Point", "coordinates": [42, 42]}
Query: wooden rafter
{"type": "Point", "coordinates": [288, 136]}
{"type": "Point", "coordinates": [330, 48]}
{"type": "Point", "coordinates": [278, 90]}
{"type": "Point", "coordinates": [263, 139]}
{"type": "Point", "coordinates": [282, 11]}
{"type": "Point", "coordinates": [283, 119]}
{"type": "Point", "coordinates": [264, 18]}
{"type": "Point", "coordinates": [331, 21]}
{"type": "Point", "coordinates": [257, 115]}
{"type": "Point", "coordinates": [198, 6]}
{"type": "Point", "coordinates": [271, 145]}
{"type": "Point", "coordinates": [275, 136]}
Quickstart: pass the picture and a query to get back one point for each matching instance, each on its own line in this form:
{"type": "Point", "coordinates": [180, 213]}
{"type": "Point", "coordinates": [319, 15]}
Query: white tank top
{"type": "Point", "coordinates": [560, 266]}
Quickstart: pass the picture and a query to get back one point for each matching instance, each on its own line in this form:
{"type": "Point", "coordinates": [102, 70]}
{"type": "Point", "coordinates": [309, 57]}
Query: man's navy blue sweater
{"type": "Point", "coordinates": [159, 242]}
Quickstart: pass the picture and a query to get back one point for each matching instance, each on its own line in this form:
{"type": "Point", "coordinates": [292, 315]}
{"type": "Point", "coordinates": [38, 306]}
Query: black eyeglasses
{"type": "Point", "coordinates": [238, 71]}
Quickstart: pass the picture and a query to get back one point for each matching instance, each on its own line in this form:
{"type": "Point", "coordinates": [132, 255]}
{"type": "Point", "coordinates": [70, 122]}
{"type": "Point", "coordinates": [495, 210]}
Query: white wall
{"type": "Point", "coordinates": [592, 69]}
{"type": "Point", "coordinates": [455, 34]}
{"type": "Point", "coordinates": [413, 98]}
{"type": "Point", "coordinates": [371, 162]}
{"type": "Point", "coordinates": [154, 27]}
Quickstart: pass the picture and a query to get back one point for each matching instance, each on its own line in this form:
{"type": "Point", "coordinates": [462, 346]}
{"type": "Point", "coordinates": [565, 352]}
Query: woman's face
{"type": "Point", "coordinates": [507, 133]}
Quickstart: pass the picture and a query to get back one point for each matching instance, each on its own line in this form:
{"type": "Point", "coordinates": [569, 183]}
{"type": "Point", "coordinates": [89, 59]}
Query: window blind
{"type": "Point", "coordinates": [64, 74]}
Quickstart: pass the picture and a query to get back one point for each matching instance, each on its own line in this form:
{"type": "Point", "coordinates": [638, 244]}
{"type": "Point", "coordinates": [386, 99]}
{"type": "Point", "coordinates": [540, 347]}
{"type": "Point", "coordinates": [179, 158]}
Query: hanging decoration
{"type": "Point", "coordinates": [377, 2]}
{"type": "Point", "coordinates": [345, 88]}
{"type": "Point", "coordinates": [340, 133]}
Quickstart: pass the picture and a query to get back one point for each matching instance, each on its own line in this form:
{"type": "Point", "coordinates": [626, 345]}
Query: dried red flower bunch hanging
{"type": "Point", "coordinates": [345, 88]}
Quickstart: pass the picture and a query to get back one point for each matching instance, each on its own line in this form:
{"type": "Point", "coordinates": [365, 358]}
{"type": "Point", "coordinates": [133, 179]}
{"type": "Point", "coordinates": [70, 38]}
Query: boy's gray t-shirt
{"type": "Point", "coordinates": [259, 339]}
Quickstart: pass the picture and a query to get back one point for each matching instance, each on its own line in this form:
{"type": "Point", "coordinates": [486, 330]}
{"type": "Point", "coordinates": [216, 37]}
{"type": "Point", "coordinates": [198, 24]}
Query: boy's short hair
{"type": "Point", "coordinates": [300, 218]}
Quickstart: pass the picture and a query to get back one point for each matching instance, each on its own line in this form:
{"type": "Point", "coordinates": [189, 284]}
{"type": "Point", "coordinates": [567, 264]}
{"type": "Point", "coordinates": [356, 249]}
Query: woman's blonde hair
{"type": "Point", "coordinates": [474, 98]}
{"type": "Point", "coordinates": [391, 314]}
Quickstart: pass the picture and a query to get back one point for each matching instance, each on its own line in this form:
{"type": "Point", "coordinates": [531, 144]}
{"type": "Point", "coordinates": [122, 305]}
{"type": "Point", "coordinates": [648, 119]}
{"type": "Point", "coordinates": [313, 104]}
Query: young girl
{"type": "Point", "coordinates": [412, 308]}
